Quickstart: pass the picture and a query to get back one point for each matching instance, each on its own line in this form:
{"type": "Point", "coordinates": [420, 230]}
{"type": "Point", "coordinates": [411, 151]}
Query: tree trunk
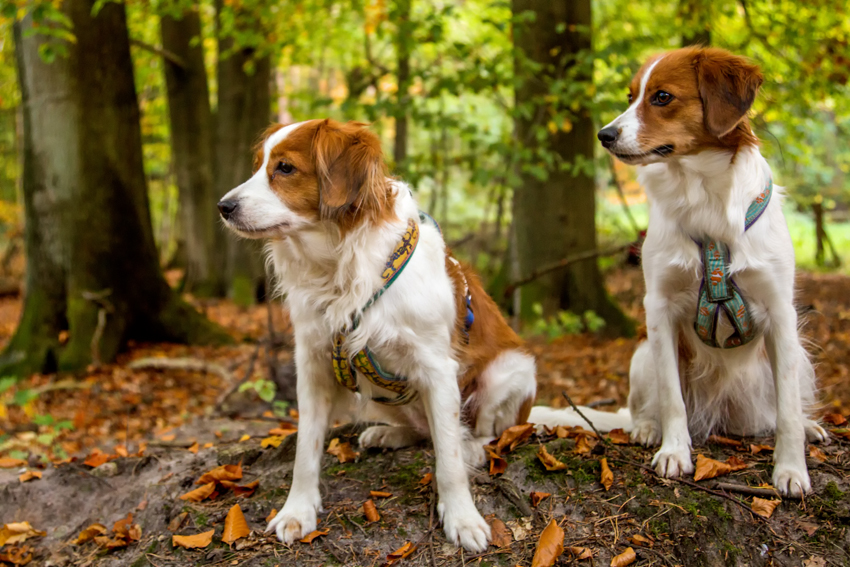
{"type": "Point", "coordinates": [403, 42]}
{"type": "Point", "coordinates": [191, 147]}
{"type": "Point", "coordinates": [555, 217]}
{"type": "Point", "coordinates": [107, 287]}
{"type": "Point", "coordinates": [244, 110]}
{"type": "Point", "coordinates": [696, 22]}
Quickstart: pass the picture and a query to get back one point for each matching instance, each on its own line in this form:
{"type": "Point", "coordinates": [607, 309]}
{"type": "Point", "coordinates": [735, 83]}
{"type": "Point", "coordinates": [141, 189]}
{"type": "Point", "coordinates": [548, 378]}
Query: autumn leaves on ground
{"type": "Point", "coordinates": [183, 463]}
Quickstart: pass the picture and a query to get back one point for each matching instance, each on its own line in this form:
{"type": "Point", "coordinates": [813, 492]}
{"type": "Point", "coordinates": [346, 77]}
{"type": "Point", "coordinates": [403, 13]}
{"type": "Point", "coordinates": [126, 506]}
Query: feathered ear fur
{"type": "Point", "coordinates": [727, 85]}
{"type": "Point", "coordinates": [350, 170]}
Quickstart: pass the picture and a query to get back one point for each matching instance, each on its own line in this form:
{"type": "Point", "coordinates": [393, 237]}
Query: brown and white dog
{"type": "Point", "coordinates": [321, 197]}
{"type": "Point", "coordinates": [686, 128]}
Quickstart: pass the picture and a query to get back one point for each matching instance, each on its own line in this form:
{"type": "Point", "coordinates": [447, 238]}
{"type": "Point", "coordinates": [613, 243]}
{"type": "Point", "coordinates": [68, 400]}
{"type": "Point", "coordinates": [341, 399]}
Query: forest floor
{"type": "Point", "coordinates": [121, 440]}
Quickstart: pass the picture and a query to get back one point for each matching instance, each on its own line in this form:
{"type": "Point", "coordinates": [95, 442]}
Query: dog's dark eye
{"type": "Point", "coordinates": [631, 97]}
{"type": "Point", "coordinates": [284, 168]}
{"type": "Point", "coordinates": [662, 98]}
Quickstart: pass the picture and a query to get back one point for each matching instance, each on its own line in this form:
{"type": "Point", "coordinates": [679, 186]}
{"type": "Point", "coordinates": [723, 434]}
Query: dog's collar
{"type": "Point", "coordinates": [718, 291]}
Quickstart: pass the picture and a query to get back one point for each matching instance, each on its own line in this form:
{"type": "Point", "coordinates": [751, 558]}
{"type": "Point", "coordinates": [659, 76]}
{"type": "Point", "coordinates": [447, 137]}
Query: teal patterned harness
{"type": "Point", "coordinates": [718, 292]}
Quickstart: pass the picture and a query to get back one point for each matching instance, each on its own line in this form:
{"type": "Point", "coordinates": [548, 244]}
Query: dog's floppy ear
{"type": "Point", "coordinates": [727, 86]}
{"type": "Point", "coordinates": [350, 169]}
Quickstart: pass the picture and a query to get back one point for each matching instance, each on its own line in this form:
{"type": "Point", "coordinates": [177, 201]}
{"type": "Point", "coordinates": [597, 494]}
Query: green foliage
{"type": "Point", "coordinates": [265, 389]}
{"type": "Point", "coordinates": [564, 323]}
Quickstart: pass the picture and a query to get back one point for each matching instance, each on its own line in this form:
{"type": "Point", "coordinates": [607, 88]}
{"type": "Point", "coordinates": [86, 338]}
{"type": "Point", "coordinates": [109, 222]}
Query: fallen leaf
{"type": "Point", "coordinates": [121, 451]}
{"type": "Point", "coordinates": [520, 528]}
{"type": "Point", "coordinates": [96, 458]}
{"type": "Point", "coordinates": [177, 521]}
{"type": "Point", "coordinates": [500, 535]}
{"type": "Point", "coordinates": [371, 512]}
{"type": "Point", "coordinates": [498, 465]}
{"type": "Point", "coordinates": [845, 433]}
{"type": "Point", "coordinates": [196, 541]}
{"type": "Point", "coordinates": [550, 546]}
{"type": "Point", "coordinates": [817, 454]}
{"type": "Point", "coordinates": [580, 553]}
{"type": "Point", "coordinates": [400, 553]}
{"type": "Point", "coordinates": [207, 445]}
{"type": "Point", "coordinates": [17, 555]}
{"type": "Point", "coordinates": [199, 494]}
{"type": "Point", "coordinates": [90, 533]}
{"type": "Point", "coordinates": [282, 433]}
{"type": "Point", "coordinates": [626, 558]}
{"type": "Point", "coordinates": [764, 507]}
{"type": "Point", "coordinates": [835, 419]}
{"type": "Point", "coordinates": [538, 497]}
{"type": "Point", "coordinates": [720, 440]}
{"type": "Point", "coordinates": [513, 436]}
{"type": "Point", "coordinates": [342, 451]}
{"type": "Point", "coordinates": [121, 527]}
{"type": "Point", "coordinates": [193, 448]}
{"type": "Point", "coordinates": [814, 561]}
{"type": "Point", "coordinates": [273, 441]}
{"type": "Point", "coordinates": [711, 468]}
{"type": "Point", "coordinates": [640, 540]}
{"type": "Point", "coordinates": [168, 438]}
{"type": "Point", "coordinates": [313, 535]}
{"type": "Point", "coordinates": [18, 532]}
{"type": "Point", "coordinates": [244, 438]}
{"type": "Point", "coordinates": [562, 432]}
{"type": "Point", "coordinates": [379, 494]}
{"type": "Point", "coordinates": [29, 475]}
{"type": "Point", "coordinates": [756, 449]}
{"type": "Point", "coordinates": [736, 464]}
{"type": "Point", "coordinates": [619, 437]}
{"type": "Point", "coordinates": [271, 515]}
{"type": "Point", "coordinates": [10, 463]}
{"type": "Point", "coordinates": [142, 505]}
{"type": "Point", "coordinates": [584, 444]}
{"type": "Point", "coordinates": [808, 527]}
{"type": "Point", "coordinates": [426, 480]}
{"type": "Point", "coordinates": [606, 477]}
{"type": "Point", "coordinates": [246, 490]}
{"type": "Point", "coordinates": [550, 462]}
{"type": "Point", "coordinates": [224, 472]}
{"type": "Point", "coordinates": [235, 526]}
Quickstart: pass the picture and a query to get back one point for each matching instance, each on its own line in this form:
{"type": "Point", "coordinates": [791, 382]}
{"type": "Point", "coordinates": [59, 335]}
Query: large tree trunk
{"type": "Point", "coordinates": [555, 217]}
{"type": "Point", "coordinates": [404, 29]}
{"type": "Point", "coordinates": [191, 149]}
{"type": "Point", "coordinates": [244, 110]}
{"type": "Point", "coordinates": [113, 288]}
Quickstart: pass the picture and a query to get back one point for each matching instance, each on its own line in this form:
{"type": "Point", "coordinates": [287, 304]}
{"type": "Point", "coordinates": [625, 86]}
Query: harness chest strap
{"type": "Point", "coordinates": [718, 291]}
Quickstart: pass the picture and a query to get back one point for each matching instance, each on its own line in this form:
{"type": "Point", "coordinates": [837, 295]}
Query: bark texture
{"type": "Point", "coordinates": [555, 218]}
{"type": "Point", "coordinates": [403, 44]}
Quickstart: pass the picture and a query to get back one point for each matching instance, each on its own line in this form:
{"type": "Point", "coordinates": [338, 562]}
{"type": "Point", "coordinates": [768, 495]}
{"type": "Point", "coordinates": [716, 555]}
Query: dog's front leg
{"type": "Point", "coordinates": [674, 456]}
{"type": "Point", "coordinates": [790, 474]}
{"type": "Point", "coordinates": [316, 390]}
{"type": "Point", "coordinates": [461, 521]}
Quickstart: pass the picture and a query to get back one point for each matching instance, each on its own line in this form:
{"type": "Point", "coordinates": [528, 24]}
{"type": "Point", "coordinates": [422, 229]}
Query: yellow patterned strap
{"type": "Point", "coordinates": [363, 360]}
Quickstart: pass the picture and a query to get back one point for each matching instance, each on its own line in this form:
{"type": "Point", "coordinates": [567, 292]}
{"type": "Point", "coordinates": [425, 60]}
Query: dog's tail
{"type": "Point", "coordinates": [602, 420]}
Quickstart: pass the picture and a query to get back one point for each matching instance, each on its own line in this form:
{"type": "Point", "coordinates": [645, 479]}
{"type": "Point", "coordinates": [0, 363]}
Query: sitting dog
{"type": "Point", "coordinates": [723, 352]}
{"type": "Point", "coordinates": [386, 321]}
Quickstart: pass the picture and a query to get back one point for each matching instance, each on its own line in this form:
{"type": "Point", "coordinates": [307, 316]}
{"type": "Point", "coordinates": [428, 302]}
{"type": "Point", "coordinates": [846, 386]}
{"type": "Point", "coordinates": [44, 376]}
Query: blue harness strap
{"type": "Point", "coordinates": [718, 291]}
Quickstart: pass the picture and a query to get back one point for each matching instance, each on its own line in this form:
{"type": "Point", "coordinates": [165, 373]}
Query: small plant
{"type": "Point", "coordinates": [265, 389]}
{"type": "Point", "coordinates": [565, 323]}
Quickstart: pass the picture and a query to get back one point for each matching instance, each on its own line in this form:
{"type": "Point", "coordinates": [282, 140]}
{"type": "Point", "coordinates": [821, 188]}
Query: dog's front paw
{"type": "Point", "coordinates": [815, 433]}
{"type": "Point", "coordinates": [389, 437]}
{"type": "Point", "coordinates": [672, 461]}
{"type": "Point", "coordinates": [464, 526]}
{"type": "Point", "coordinates": [646, 432]}
{"type": "Point", "coordinates": [296, 520]}
{"type": "Point", "coordinates": [791, 480]}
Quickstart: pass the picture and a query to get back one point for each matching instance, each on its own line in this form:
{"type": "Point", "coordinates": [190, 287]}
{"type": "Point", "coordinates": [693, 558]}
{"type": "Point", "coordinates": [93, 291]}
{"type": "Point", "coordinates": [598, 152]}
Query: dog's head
{"type": "Point", "coordinates": [310, 173]}
{"type": "Point", "coordinates": [683, 102]}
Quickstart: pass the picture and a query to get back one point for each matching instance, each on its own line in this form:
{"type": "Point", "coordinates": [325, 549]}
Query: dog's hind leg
{"type": "Point", "coordinates": [507, 388]}
{"type": "Point", "coordinates": [390, 436]}
{"type": "Point", "coordinates": [643, 398]}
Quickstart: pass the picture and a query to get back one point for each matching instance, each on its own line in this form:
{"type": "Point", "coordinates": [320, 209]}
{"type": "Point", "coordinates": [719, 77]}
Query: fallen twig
{"type": "Point", "coordinates": [744, 489]}
{"type": "Point", "coordinates": [190, 364]}
{"type": "Point", "coordinates": [590, 423]}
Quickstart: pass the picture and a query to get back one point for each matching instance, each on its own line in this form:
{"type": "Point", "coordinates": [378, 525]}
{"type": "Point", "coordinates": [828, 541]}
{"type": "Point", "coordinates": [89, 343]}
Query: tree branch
{"type": "Point", "coordinates": [164, 53]}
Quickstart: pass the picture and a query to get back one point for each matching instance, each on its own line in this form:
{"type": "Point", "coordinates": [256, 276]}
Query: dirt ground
{"type": "Point", "coordinates": [158, 431]}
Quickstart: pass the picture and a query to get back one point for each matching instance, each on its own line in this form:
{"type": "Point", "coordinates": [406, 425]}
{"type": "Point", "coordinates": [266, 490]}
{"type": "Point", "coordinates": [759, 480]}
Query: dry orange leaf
{"type": "Point", "coordinates": [10, 463]}
{"type": "Point", "coordinates": [711, 468]}
{"type": "Point", "coordinates": [247, 489]}
{"type": "Point", "coordinates": [90, 533]}
{"type": "Point", "coordinates": [500, 535]}
{"type": "Point", "coordinates": [244, 438]}
{"type": "Point", "coordinates": [193, 448]}
{"type": "Point", "coordinates": [169, 437]}
{"type": "Point", "coordinates": [199, 494]}
{"type": "Point", "coordinates": [235, 526]}
{"type": "Point", "coordinates": [16, 555]}
{"type": "Point", "coordinates": [121, 451]}
{"type": "Point", "coordinates": [271, 515]}
{"type": "Point", "coordinates": [96, 458]}
{"type": "Point", "coordinates": [562, 432]}
{"type": "Point", "coordinates": [426, 480]}
{"type": "Point", "coordinates": [513, 436]}
{"type": "Point", "coordinates": [619, 437]}
{"type": "Point", "coordinates": [121, 528]}
{"type": "Point", "coordinates": [756, 449]}
{"type": "Point", "coordinates": [371, 512]}
{"type": "Point", "coordinates": [207, 445]}
{"type": "Point", "coordinates": [626, 558]}
{"type": "Point", "coordinates": [273, 441]}
{"type": "Point", "coordinates": [580, 552]}
{"type": "Point", "coordinates": [177, 521]}
{"type": "Point", "coordinates": [735, 463]}
{"type": "Point", "coordinates": [719, 440]}
{"type": "Point", "coordinates": [313, 535]}
{"type": "Point", "coordinates": [379, 494]}
{"type": "Point", "coordinates": [550, 462]}
{"type": "Point", "coordinates": [282, 433]}
{"type": "Point", "coordinates": [764, 507]}
{"type": "Point", "coordinates": [640, 540]}
{"type": "Point", "coordinates": [29, 475]}
{"type": "Point", "coordinates": [817, 454]}
{"type": "Point", "coordinates": [224, 472]}
{"type": "Point", "coordinates": [197, 541]}
{"type": "Point", "coordinates": [342, 451]}
{"type": "Point", "coordinates": [606, 476]}
{"type": "Point", "coordinates": [550, 546]}
{"type": "Point", "coordinates": [835, 419]}
{"type": "Point", "coordinates": [538, 497]}
{"type": "Point", "coordinates": [498, 465]}
{"type": "Point", "coordinates": [18, 532]}
{"type": "Point", "coordinates": [404, 551]}
{"type": "Point", "coordinates": [584, 444]}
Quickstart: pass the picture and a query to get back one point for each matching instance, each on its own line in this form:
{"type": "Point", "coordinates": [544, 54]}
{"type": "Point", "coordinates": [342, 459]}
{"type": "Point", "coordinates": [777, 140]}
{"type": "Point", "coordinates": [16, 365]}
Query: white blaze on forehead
{"type": "Point", "coordinates": [628, 122]}
{"type": "Point", "coordinates": [274, 140]}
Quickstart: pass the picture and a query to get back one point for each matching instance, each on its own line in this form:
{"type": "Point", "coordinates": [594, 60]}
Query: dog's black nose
{"type": "Point", "coordinates": [608, 135]}
{"type": "Point", "coordinates": [226, 208]}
